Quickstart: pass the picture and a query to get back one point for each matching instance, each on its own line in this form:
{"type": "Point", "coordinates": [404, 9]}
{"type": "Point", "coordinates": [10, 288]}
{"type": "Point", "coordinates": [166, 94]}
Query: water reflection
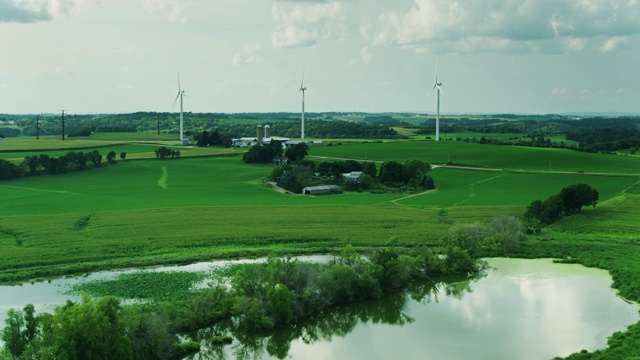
{"type": "Point", "coordinates": [324, 327]}
{"type": "Point", "coordinates": [524, 309]}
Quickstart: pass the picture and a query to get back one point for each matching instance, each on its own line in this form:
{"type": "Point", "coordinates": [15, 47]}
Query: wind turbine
{"type": "Point", "coordinates": [180, 95]}
{"type": "Point", "coordinates": [303, 89]}
{"type": "Point", "coordinates": [439, 90]}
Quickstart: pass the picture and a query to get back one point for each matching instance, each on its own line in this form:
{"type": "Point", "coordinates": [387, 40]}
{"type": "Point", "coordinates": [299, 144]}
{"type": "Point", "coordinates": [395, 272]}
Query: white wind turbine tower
{"type": "Point", "coordinates": [303, 89]}
{"type": "Point", "coordinates": [439, 90]}
{"type": "Point", "coordinates": [180, 95]}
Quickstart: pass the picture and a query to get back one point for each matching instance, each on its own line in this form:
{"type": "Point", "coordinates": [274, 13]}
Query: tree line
{"type": "Point", "coordinates": [606, 139]}
{"type": "Point", "coordinates": [409, 175]}
{"type": "Point", "coordinates": [46, 164]}
{"type": "Point", "coordinates": [570, 200]}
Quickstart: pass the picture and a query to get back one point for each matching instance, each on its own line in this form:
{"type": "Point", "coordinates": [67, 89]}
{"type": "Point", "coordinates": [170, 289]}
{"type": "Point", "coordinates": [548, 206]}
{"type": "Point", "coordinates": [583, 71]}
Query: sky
{"type": "Point", "coordinates": [491, 56]}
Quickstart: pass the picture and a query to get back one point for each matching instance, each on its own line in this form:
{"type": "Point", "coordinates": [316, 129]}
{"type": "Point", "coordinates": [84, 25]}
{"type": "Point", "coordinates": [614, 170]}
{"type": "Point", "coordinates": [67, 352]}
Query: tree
{"type": "Point", "coordinates": [297, 152]}
{"type": "Point", "coordinates": [203, 140]}
{"type": "Point", "coordinates": [414, 170]}
{"type": "Point", "coordinates": [370, 169]}
{"type": "Point", "coordinates": [391, 172]}
{"type": "Point", "coordinates": [9, 170]}
{"type": "Point", "coordinates": [574, 197]}
{"type": "Point", "coordinates": [123, 155]}
{"type": "Point", "coordinates": [162, 153]}
{"type": "Point", "coordinates": [95, 157]}
{"type": "Point", "coordinates": [111, 157]}
{"type": "Point", "coordinates": [262, 154]}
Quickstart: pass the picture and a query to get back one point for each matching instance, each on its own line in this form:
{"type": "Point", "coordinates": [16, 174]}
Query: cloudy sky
{"type": "Point", "coordinates": [516, 56]}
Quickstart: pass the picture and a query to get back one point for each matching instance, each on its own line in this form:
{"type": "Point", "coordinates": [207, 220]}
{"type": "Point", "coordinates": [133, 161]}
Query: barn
{"type": "Point", "coordinates": [321, 190]}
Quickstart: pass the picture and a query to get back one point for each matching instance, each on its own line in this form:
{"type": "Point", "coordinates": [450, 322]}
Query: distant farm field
{"type": "Point", "coordinates": [17, 148]}
{"type": "Point", "coordinates": [146, 212]}
{"type": "Point", "coordinates": [485, 156]}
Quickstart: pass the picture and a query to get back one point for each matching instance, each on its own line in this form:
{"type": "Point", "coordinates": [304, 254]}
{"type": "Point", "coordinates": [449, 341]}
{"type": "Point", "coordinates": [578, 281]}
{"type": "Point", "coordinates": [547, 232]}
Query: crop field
{"type": "Point", "coordinates": [462, 187]}
{"type": "Point", "coordinates": [147, 212]}
{"type": "Point", "coordinates": [16, 151]}
{"type": "Point", "coordinates": [485, 156]}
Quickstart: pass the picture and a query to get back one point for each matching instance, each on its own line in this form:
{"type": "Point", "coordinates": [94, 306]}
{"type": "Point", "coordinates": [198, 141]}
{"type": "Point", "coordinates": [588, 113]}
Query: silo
{"type": "Point", "coordinates": [260, 135]}
{"type": "Point", "coordinates": [267, 131]}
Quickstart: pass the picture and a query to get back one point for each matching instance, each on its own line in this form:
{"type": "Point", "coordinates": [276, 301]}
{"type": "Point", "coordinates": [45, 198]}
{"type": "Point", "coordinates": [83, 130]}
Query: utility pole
{"type": "Point", "coordinates": [38, 127]}
{"type": "Point", "coordinates": [62, 125]}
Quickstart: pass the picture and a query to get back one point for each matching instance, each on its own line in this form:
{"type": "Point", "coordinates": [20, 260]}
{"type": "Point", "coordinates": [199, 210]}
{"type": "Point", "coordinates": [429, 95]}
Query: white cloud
{"type": "Point", "coordinates": [613, 44]}
{"type": "Point", "coordinates": [304, 23]}
{"type": "Point", "coordinates": [364, 55]}
{"type": "Point", "coordinates": [173, 10]}
{"type": "Point", "coordinates": [574, 44]}
{"type": "Point", "coordinates": [506, 25]}
{"type": "Point", "coordinates": [28, 11]}
{"type": "Point", "coordinates": [559, 91]}
{"type": "Point", "coordinates": [248, 55]}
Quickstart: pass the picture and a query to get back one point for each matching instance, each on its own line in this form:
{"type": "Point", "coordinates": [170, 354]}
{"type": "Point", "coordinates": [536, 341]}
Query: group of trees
{"type": "Point", "coordinates": [70, 161]}
{"type": "Point", "coordinates": [606, 139]}
{"type": "Point", "coordinates": [214, 139]}
{"type": "Point", "coordinates": [9, 170]}
{"type": "Point", "coordinates": [569, 201]}
{"type": "Point", "coordinates": [412, 173]}
{"type": "Point", "coordinates": [266, 153]}
{"type": "Point", "coordinates": [263, 154]}
{"type": "Point", "coordinates": [93, 329]}
{"type": "Point", "coordinates": [164, 153]}
{"type": "Point", "coordinates": [45, 164]}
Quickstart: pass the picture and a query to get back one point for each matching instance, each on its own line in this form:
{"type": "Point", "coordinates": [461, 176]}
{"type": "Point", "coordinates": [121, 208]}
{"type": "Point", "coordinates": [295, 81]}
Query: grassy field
{"type": "Point", "coordinates": [15, 149]}
{"type": "Point", "coordinates": [485, 156]}
{"type": "Point", "coordinates": [150, 212]}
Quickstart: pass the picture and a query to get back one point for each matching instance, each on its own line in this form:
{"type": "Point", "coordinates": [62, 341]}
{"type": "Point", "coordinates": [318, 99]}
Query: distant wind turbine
{"type": "Point", "coordinates": [439, 90]}
{"type": "Point", "coordinates": [180, 95]}
{"type": "Point", "coordinates": [303, 89]}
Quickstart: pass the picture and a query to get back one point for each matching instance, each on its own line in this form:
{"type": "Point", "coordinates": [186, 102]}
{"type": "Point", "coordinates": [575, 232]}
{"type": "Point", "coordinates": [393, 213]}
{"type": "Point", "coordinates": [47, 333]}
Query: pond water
{"type": "Point", "coordinates": [525, 309]}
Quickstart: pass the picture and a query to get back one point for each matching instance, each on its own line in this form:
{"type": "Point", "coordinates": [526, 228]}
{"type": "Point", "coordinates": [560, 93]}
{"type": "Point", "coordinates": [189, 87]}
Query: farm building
{"type": "Point", "coordinates": [353, 176]}
{"type": "Point", "coordinates": [321, 190]}
{"type": "Point", "coordinates": [263, 136]}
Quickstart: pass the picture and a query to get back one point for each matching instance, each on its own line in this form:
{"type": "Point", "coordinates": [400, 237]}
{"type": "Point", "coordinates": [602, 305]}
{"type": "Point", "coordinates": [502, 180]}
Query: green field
{"type": "Point", "coordinates": [179, 210]}
{"type": "Point", "coordinates": [485, 156]}
{"type": "Point", "coordinates": [15, 149]}
{"type": "Point", "coordinates": [205, 206]}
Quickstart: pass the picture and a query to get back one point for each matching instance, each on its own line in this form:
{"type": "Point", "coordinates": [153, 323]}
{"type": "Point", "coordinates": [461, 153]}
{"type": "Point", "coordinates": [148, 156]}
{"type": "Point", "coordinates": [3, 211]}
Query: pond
{"type": "Point", "coordinates": [525, 309]}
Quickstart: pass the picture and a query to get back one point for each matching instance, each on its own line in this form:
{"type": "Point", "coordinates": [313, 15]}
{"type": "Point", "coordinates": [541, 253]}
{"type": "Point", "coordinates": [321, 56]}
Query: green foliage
{"type": "Point", "coordinates": [391, 173]}
{"type": "Point", "coordinates": [164, 153]}
{"type": "Point", "coordinates": [262, 154]}
{"type": "Point", "coordinates": [101, 329]}
{"type": "Point", "coordinates": [149, 286]}
{"type": "Point", "coordinates": [570, 200]}
{"type": "Point", "coordinates": [111, 157]}
{"type": "Point", "coordinates": [414, 170]}
{"type": "Point", "coordinates": [370, 169]}
{"type": "Point", "coordinates": [85, 131]}
{"type": "Point", "coordinates": [297, 152]}
{"type": "Point", "coordinates": [9, 170]}
{"type": "Point", "coordinates": [574, 197]}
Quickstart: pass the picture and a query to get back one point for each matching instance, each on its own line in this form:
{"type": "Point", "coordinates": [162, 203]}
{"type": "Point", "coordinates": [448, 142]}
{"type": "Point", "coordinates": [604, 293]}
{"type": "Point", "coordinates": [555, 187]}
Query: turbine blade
{"type": "Point", "coordinates": [437, 60]}
{"type": "Point", "coordinates": [174, 101]}
{"type": "Point", "coordinates": [429, 93]}
{"type": "Point", "coordinates": [179, 81]}
{"type": "Point", "coordinates": [440, 89]}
